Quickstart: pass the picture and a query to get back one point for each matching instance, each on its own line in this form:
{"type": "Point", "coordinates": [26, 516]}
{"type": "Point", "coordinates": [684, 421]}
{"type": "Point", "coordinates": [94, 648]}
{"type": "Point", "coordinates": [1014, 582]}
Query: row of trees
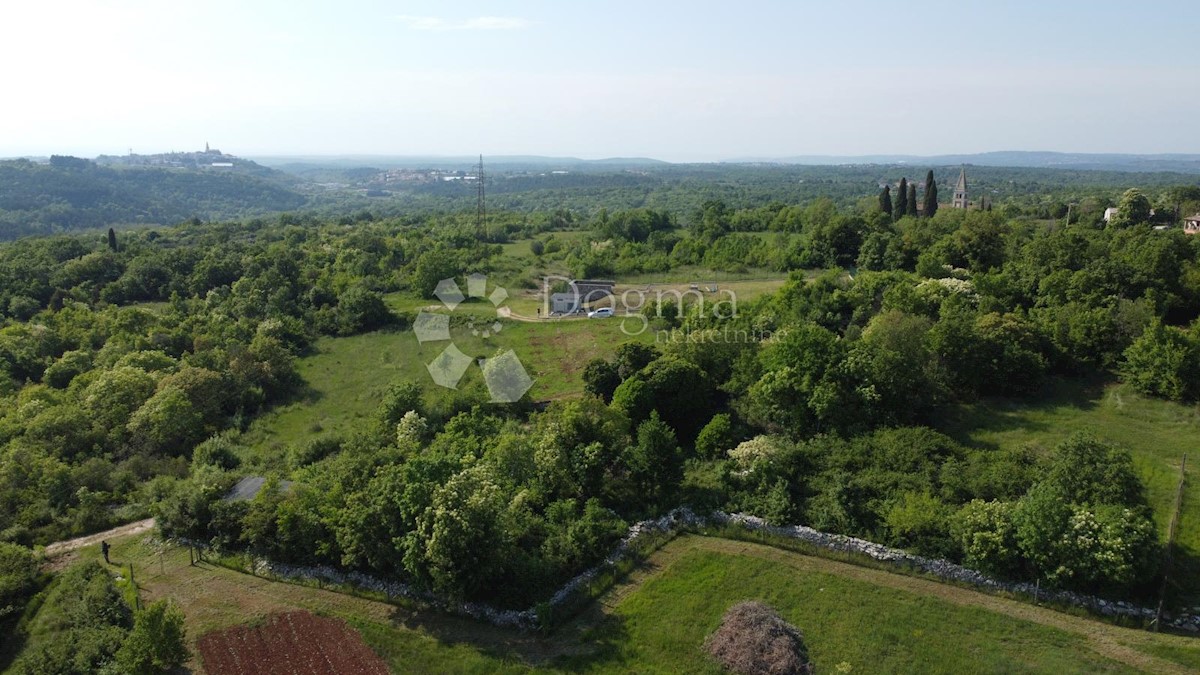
{"type": "Point", "coordinates": [479, 506]}
{"type": "Point", "coordinates": [906, 199]}
{"type": "Point", "coordinates": [1076, 520]}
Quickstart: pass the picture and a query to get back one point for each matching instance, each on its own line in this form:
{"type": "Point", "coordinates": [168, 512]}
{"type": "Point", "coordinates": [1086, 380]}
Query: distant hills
{"type": "Point", "coordinates": [1182, 163]}
{"type": "Point", "coordinates": [1145, 163]}
{"type": "Point", "coordinates": [303, 163]}
{"type": "Point", "coordinates": [60, 194]}
{"type": "Point", "coordinates": [69, 193]}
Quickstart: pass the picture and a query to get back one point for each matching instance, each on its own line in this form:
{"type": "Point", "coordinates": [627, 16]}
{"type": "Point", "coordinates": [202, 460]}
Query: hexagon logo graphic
{"type": "Point", "coordinates": [504, 374]}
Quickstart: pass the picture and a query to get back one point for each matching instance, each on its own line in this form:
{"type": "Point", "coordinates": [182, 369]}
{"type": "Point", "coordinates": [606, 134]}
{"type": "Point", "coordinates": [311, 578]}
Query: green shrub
{"type": "Point", "coordinates": [157, 642]}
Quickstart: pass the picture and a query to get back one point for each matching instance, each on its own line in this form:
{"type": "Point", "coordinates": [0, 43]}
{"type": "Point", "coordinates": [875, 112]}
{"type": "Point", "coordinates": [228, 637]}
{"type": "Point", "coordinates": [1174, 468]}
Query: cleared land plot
{"type": "Point", "coordinates": [526, 302]}
{"type": "Point", "coordinates": [1157, 433]}
{"type": "Point", "coordinates": [295, 642]}
{"type": "Point", "coordinates": [686, 274]}
{"type": "Point", "coordinates": [730, 294]}
{"type": "Point", "coordinates": [347, 377]}
{"type": "Point", "coordinates": [852, 617]}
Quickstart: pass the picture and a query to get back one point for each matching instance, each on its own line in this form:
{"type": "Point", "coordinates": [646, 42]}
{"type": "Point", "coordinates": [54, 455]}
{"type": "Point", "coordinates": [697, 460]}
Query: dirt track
{"type": "Point", "coordinates": [60, 547]}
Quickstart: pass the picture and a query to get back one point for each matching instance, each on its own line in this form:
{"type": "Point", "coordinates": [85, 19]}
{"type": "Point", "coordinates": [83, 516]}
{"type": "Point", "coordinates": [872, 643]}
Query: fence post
{"type": "Point", "coordinates": [137, 598]}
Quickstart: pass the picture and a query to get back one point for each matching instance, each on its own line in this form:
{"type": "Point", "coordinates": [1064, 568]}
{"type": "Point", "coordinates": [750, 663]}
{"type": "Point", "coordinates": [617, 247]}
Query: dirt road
{"type": "Point", "coordinates": [60, 547]}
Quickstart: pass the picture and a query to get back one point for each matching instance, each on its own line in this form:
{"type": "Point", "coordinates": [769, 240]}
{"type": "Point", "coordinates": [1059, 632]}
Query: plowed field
{"type": "Point", "coordinates": [295, 642]}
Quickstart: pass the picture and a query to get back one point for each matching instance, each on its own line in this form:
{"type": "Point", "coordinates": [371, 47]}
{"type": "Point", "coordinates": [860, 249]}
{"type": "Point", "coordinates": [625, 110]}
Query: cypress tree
{"type": "Point", "coordinates": [931, 204]}
{"type": "Point", "coordinates": [902, 199]}
{"type": "Point", "coordinates": [885, 200]}
{"type": "Point", "coordinates": [112, 239]}
{"type": "Point", "coordinates": [912, 199]}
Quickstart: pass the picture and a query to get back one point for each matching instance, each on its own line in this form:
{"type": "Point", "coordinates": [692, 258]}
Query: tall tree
{"type": "Point", "coordinates": [931, 203]}
{"type": "Point", "coordinates": [112, 239]}
{"type": "Point", "coordinates": [902, 199]}
{"type": "Point", "coordinates": [654, 463]}
{"type": "Point", "coordinates": [885, 200]}
{"type": "Point", "coordinates": [912, 200]}
{"type": "Point", "coordinates": [1134, 209]}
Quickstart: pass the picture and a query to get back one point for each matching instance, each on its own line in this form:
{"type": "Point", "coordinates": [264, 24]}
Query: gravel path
{"type": "Point", "coordinates": [60, 547]}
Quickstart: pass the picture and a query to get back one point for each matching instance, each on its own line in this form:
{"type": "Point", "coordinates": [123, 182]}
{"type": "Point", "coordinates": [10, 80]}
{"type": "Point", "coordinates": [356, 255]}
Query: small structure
{"type": "Point", "coordinates": [579, 295]}
{"type": "Point", "coordinates": [1110, 213]}
{"type": "Point", "coordinates": [960, 190]}
{"type": "Point", "coordinates": [1191, 224]}
{"type": "Point", "coordinates": [564, 303]}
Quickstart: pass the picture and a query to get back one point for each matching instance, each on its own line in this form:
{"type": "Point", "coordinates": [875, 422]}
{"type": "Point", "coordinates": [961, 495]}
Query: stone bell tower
{"type": "Point", "coordinates": [960, 190]}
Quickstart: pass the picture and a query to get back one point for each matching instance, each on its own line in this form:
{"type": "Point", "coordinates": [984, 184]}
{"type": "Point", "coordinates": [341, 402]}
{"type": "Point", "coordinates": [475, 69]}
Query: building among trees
{"type": "Point", "coordinates": [1191, 224]}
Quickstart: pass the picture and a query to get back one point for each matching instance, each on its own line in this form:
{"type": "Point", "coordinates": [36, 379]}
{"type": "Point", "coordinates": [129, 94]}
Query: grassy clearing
{"type": "Point", "coordinates": [1157, 433]}
{"type": "Point", "coordinates": [695, 274]}
{"type": "Point", "coordinates": [348, 376]}
{"type": "Point", "coordinates": [854, 619]}
{"type": "Point", "coordinates": [847, 624]}
{"type": "Point", "coordinates": [737, 292]}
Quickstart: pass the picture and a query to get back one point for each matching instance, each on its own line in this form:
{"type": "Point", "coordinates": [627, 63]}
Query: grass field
{"type": "Point", "coordinates": [855, 619]}
{"type": "Point", "coordinates": [694, 274]}
{"type": "Point", "coordinates": [528, 301]}
{"type": "Point", "coordinates": [1157, 433]}
{"type": "Point", "coordinates": [347, 376]}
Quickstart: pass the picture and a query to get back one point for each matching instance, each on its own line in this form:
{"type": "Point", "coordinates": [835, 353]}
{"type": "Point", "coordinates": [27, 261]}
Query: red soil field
{"type": "Point", "coordinates": [295, 642]}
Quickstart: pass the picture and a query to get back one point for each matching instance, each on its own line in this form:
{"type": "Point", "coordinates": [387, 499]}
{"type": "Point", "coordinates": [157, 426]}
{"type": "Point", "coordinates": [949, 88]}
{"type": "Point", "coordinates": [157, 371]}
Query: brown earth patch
{"type": "Point", "coordinates": [293, 642]}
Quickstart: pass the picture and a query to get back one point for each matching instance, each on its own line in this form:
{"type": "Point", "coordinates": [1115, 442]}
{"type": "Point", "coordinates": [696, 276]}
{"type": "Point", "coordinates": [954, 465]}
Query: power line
{"type": "Point", "coordinates": [480, 207]}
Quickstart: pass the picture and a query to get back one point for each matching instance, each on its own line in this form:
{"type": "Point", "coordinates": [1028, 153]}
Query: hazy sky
{"type": "Point", "coordinates": [693, 80]}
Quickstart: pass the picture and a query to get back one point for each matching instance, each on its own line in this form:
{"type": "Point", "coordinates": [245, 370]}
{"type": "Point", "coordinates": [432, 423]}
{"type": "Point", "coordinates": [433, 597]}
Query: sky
{"type": "Point", "coordinates": [679, 81]}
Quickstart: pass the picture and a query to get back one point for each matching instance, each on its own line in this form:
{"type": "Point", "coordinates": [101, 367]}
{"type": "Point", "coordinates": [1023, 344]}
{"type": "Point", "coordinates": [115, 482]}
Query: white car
{"type": "Point", "coordinates": [602, 313]}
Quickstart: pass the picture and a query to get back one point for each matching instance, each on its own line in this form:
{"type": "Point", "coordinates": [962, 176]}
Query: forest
{"type": "Point", "coordinates": [130, 365]}
{"type": "Point", "coordinates": [68, 194]}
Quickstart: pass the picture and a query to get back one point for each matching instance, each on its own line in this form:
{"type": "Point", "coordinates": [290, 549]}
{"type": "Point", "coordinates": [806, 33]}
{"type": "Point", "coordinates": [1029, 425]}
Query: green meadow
{"type": "Point", "coordinates": [347, 376]}
{"type": "Point", "coordinates": [1157, 433]}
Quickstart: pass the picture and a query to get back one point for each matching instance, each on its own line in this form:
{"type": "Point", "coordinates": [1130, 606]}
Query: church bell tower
{"type": "Point", "coordinates": [960, 190]}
